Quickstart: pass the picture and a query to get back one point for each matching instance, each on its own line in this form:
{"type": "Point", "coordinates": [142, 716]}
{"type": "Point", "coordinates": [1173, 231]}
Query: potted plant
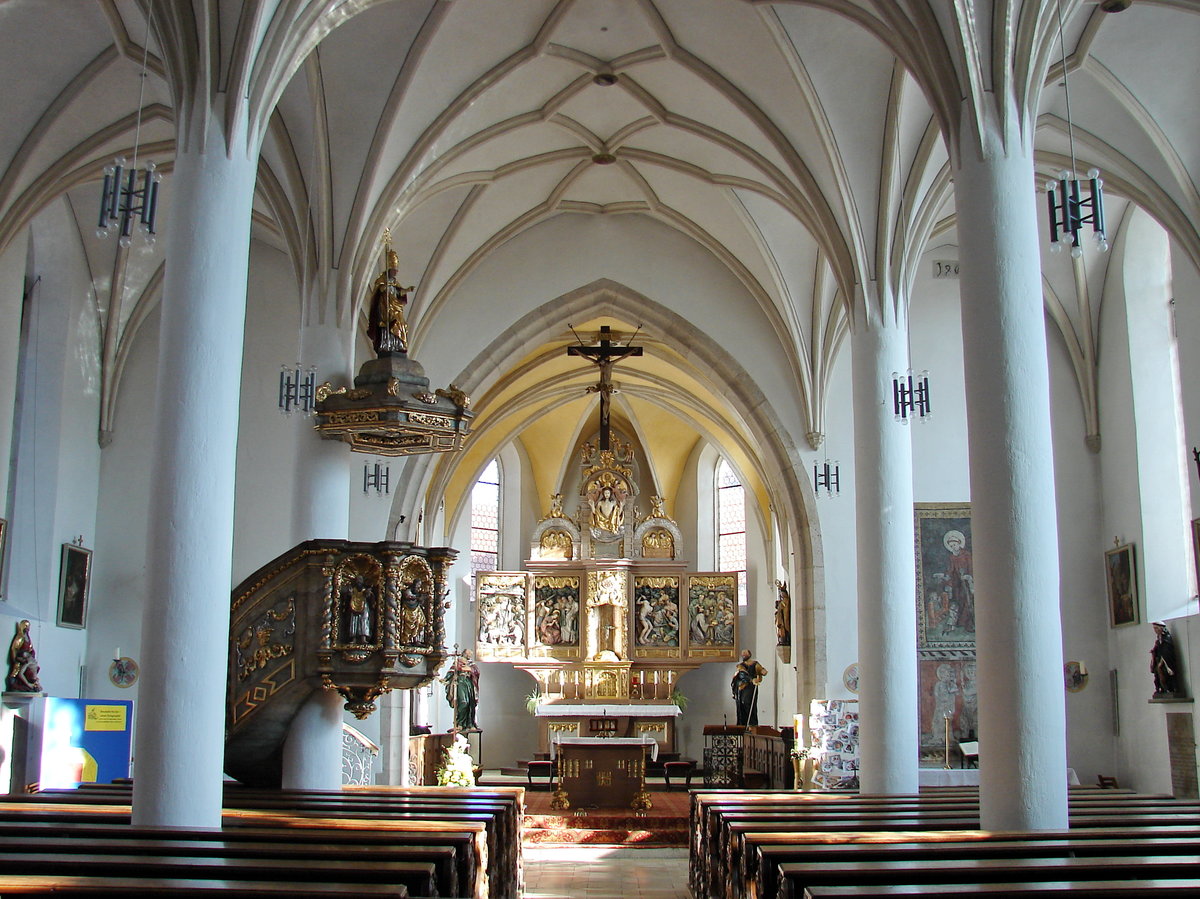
{"type": "Point", "coordinates": [532, 701]}
{"type": "Point", "coordinates": [679, 699]}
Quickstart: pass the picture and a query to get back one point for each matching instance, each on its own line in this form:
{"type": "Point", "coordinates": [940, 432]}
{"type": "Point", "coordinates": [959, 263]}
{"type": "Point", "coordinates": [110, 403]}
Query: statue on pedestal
{"type": "Point", "coordinates": [746, 678]}
{"type": "Point", "coordinates": [22, 663]}
{"type": "Point", "coordinates": [1164, 663]}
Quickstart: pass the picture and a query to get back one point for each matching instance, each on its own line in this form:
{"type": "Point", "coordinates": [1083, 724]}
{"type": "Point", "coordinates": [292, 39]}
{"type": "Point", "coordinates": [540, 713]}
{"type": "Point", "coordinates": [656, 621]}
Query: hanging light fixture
{"type": "Point", "coordinates": [377, 477]}
{"type": "Point", "coordinates": [910, 396]}
{"type": "Point", "coordinates": [123, 204]}
{"type": "Point", "coordinates": [297, 389]}
{"type": "Point", "coordinates": [1071, 204]}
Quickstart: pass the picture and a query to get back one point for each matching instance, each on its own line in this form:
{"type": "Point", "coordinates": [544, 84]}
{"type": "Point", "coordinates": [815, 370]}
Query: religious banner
{"type": "Point", "coordinates": [945, 626]}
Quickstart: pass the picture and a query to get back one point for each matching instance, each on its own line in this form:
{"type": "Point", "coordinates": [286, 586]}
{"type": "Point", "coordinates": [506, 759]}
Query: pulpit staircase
{"type": "Point", "coordinates": [358, 618]}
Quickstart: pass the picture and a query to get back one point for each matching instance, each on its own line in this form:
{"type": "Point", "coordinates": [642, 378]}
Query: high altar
{"type": "Point", "coordinates": [606, 618]}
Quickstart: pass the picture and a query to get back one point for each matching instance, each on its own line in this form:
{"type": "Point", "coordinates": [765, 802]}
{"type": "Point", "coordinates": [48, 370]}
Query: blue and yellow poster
{"type": "Point", "coordinates": [85, 741]}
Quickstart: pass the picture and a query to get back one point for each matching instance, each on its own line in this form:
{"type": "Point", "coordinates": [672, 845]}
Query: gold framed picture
{"type": "Point", "coordinates": [1121, 576]}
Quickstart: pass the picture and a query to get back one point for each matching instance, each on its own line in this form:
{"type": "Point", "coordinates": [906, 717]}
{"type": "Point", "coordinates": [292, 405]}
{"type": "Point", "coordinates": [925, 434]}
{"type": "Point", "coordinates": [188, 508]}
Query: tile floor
{"type": "Point", "coordinates": [605, 873]}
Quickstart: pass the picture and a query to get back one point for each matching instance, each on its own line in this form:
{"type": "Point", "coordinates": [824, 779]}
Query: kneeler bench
{"type": "Point", "coordinates": [680, 769]}
{"type": "Point", "coordinates": [542, 768]}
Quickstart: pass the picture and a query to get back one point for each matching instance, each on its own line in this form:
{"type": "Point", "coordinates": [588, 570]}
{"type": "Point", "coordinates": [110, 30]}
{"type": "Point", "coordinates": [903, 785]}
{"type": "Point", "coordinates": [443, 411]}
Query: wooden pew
{"type": "Point", "coordinates": [797, 877]}
{"type": "Point", "coordinates": [93, 887]}
{"type": "Point", "coordinates": [760, 878]}
{"type": "Point", "coordinates": [1074, 889]}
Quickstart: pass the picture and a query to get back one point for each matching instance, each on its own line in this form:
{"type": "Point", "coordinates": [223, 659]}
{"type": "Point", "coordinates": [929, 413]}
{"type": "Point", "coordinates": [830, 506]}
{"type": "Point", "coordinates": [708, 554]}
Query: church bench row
{"type": "Point", "coordinates": [436, 865]}
{"type": "Point", "coordinates": [466, 845]}
{"type": "Point", "coordinates": [798, 877]}
{"type": "Point", "coordinates": [411, 878]}
{"type": "Point", "coordinates": [501, 809]}
{"type": "Point", "coordinates": [1061, 889]}
{"type": "Point", "coordinates": [758, 878]}
{"type": "Point", "coordinates": [484, 876]}
{"type": "Point", "coordinates": [739, 865]}
{"type": "Point", "coordinates": [720, 821]}
{"type": "Point", "coordinates": [97, 887]}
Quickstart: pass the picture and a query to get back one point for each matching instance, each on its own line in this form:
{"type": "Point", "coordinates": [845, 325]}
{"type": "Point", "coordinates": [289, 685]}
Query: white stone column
{"type": "Point", "coordinates": [322, 501]}
{"type": "Point", "coordinates": [181, 715]}
{"type": "Point", "coordinates": [312, 752]}
{"type": "Point", "coordinates": [1022, 721]}
{"type": "Point", "coordinates": [887, 624]}
{"type": "Point", "coordinates": [396, 711]}
{"type": "Point", "coordinates": [12, 292]}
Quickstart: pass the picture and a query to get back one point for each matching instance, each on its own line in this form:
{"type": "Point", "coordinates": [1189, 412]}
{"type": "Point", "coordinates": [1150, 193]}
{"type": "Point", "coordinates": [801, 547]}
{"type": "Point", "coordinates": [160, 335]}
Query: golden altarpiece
{"type": "Point", "coordinates": [606, 617]}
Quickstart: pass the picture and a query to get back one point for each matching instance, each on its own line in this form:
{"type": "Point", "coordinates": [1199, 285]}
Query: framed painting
{"type": "Point", "coordinates": [1121, 577]}
{"type": "Point", "coordinates": [74, 579]}
{"type": "Point", "coordinates": [945, 577]}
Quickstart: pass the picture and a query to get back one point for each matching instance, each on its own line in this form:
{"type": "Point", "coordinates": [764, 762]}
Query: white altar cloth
{"type": "Point", "coordinates": [606, 741]}
{"type": "Point", "coordinates": [965, 777]}
{"type": "Point", "coordinates": [616, 710]}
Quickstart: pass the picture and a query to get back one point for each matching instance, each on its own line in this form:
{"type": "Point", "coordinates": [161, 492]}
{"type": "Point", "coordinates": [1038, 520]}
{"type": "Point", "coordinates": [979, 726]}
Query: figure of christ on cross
{"type": "Point", "coordinates": [604, 356]}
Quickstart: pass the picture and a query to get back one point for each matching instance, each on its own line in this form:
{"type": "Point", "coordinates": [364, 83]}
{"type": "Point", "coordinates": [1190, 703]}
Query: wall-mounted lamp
{"type": "Point", "coordinates": [297, 389]}
{"type": "Point", "coordinates": [910, 396]}
{"type": "Point", "coordinates": [826, 476]}
{"type": "Point", "coordinates": [377, 477]}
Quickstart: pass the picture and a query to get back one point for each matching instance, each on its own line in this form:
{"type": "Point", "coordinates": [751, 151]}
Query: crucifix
{"type": "Point", "coordinates": [605, 356]}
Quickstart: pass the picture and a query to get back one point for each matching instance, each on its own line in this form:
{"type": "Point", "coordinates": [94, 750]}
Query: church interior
{"type": "Point", "coordinates": [572, 347]}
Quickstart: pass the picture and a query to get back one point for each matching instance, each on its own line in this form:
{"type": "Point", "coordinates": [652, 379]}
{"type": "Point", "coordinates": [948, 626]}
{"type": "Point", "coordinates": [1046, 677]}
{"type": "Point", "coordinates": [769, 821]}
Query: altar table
{"type": "Point", "coordinates": [603, 772]}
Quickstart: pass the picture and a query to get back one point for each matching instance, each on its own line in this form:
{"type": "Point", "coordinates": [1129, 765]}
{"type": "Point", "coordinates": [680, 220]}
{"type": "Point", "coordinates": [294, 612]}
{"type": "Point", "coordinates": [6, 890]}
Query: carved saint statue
{"type": "Point", "coordinates": [607, 514]}
{"type": "Point", "coordinates": [387, 327]}
{"type": "Point", "coordinates": [556, 508]}
{"type": "Point", "coordinates": [413, 620]}
{"type": "Point", "coordinates": [358, 610]}
{"type": "Point", "coordinates": [1164, 664]}
{"type": "Point", "coordinates": [783, 614]}
{"type": "Point", "coordinates": [22, 663]}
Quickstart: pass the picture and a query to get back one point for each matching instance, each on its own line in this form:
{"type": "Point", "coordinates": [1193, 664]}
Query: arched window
{"type": "Point", "coordinates": [731, 525]}
{"type": "Point", "coordinates": [485, 520]}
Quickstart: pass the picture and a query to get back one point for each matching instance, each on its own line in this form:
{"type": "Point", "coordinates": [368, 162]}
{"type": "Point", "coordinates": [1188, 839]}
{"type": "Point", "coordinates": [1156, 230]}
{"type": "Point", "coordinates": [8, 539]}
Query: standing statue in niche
{"type": "Point", "coordinates": [413, 620]}
{"type": "Point", "coordinates": [783, 614]}
{"type": "Point", "coordinates": [358, 610]}
{"type": "Point", "coordinates": [387, 327]}
{"type": "Point", "coordinates": [22, 663]}
{"type": "Point", "coordinates": [746, 678]}
{"type": "Point", "coordinates": [1164, 663]}
{"type": "Point", "coordinates": [462, 691]}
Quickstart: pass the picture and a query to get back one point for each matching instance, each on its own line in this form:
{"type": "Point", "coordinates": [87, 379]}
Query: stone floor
{"type": "Point", "coordinates": [601, 872]}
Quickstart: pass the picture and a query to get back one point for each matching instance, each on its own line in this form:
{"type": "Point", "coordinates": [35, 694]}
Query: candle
{"type": "Point", "coordinates": [117, 653]}
{"type": "Point", "coordinates": [797, 723]}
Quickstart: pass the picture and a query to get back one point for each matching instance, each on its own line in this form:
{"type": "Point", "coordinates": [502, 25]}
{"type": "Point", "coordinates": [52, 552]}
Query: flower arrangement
{"type": "Point", "coordinates": [457, 770]}
{"type": "Point", "coordinates": [679, 699]}
{"type": "Point", "coordinates": [800, 753]}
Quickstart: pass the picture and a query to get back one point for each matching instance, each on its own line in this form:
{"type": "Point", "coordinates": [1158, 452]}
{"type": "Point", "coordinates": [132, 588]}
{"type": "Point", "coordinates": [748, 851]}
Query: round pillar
{"type": "Point", "coordinates": [887, 624]}
{"type": "Point", "coordinates": [180, 740]}
{"type": "Point", "coordinates": [312, 752]}
{"type": "Point", "coordinates": [1022, 723]}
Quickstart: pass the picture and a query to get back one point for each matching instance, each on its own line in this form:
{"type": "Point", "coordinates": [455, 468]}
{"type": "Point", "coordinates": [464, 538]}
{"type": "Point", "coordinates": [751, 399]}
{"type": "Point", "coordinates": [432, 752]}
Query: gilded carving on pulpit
{"type": "Point", "coordinates": [712, 611]}
{"type": "Point", "coordinates": [359, 588]}
{"type": "Point", "coordinates": [501, 599]}
{"type": "Point", "coordinates": [414, 622]}
{"type": "Point", "coordinates": [656, 605]}
{"type": "Point", "coordinates": [556, 611]}
{"type": "Point", "coordinates": [556, 544]}
{"type": "Point", "coordinates": [607, 609]}
{"type": "Point", "coordinates": [271, 636]}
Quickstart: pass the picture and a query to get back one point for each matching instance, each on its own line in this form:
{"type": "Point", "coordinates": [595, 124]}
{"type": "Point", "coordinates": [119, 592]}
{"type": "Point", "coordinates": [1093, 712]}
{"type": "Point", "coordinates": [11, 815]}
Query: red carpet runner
{"type": "Point", "coordinates": [666, 824]}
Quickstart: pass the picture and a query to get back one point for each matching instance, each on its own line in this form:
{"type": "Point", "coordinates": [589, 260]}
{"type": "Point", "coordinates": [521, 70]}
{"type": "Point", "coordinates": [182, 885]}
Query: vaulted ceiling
{"type": "Point", "coordinates": [786, 141]}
